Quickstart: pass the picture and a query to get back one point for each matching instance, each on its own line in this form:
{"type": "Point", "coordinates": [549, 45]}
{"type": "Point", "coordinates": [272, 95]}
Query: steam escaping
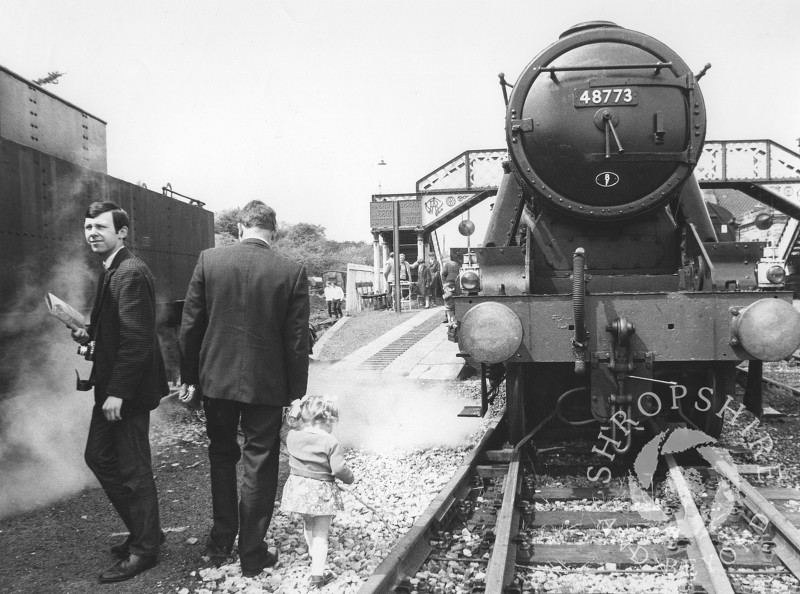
{"type": "Point", "coordinates": [43, 419]}
{"type": "Point", "coordinates": [43, 428]}
{"type": "Point", "coordinates": [383, 413]}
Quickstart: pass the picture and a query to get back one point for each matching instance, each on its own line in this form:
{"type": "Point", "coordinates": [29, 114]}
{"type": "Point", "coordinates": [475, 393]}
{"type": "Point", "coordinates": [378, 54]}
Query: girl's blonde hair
{"type": "Point", "coordinates": [312, 409]}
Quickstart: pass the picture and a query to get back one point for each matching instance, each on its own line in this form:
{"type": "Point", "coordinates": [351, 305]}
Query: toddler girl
{"type": "Point", "coordinates": [315, 460]}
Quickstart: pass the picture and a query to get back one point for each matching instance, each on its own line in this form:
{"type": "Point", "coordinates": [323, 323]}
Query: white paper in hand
{"type": "Point", "coordinates": [65, 312]}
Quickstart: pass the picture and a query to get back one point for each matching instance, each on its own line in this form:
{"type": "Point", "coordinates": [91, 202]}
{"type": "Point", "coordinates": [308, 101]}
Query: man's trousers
{"type": "Point", "coordinates": [118, 453]}
{"type": "Point", "coordinates": [251, 515]}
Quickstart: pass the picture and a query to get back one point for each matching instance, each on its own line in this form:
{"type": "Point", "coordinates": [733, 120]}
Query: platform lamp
{"type": "Point", "coordinates": [381, 162]}
{"type": "Point", "coordinates": [398, 292]}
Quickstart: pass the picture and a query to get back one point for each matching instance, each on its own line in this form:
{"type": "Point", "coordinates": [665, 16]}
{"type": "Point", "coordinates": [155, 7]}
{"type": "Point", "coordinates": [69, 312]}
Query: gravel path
{"type": "Point", "coordinates": [398, 483]}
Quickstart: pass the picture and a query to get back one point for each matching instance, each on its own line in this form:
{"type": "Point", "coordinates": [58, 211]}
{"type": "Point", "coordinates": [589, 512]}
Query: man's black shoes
{"type": "Point", "coordinates": [270, 560]}
{"type": "Point", "coordinates": [216, 554]}
{"type": "Point", "coordinates": [120, 551]}
{"type": "Point", "coordinates": [127, 568]}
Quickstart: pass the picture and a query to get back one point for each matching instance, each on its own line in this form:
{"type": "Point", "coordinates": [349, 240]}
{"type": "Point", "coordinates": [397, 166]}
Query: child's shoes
{"type": "Point", "coordinates": [317, 581]}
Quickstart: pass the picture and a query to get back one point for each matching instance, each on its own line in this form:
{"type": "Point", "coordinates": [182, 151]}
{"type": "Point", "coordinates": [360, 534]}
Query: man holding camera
{"type": "Point", "coordinates": [129, 381]}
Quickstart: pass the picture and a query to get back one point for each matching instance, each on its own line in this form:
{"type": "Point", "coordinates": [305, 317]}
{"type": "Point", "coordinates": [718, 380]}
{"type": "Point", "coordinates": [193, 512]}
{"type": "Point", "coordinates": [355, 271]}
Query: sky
{"type": "Point", "coordinates": [296, 102]}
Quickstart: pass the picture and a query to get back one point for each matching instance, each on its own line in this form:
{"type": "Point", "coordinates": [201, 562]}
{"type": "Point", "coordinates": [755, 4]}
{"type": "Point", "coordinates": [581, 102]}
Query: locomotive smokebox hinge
{"type": "Point", "coordinates": [518, 126]}
{"type": "Point", "coordinates": [621, 331]}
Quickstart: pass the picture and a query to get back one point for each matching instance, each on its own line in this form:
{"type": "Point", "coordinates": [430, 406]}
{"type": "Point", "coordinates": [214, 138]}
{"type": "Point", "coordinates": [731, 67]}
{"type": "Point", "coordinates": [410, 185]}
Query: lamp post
{"type": "Point", "coordinates": [398, 291]}
{"type": "Point", "coordinates": [396, 243]}
{"type": "Point", "coordinates": [381, 162]}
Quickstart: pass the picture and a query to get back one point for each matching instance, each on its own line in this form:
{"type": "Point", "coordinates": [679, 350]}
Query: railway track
{"type": "Point", "coordinates": [769, 382]}
{"type": "Point", "coordinates": [491, 530]}
{"type": "Point", "coordinates": [470, 531]}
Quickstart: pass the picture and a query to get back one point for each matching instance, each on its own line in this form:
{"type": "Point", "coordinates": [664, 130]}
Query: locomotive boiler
{"type": "Point", "coordinates": [601, 286]}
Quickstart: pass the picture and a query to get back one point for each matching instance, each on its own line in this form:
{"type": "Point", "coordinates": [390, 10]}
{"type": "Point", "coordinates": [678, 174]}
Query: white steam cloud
{"type": "Point", "coordinates": [382, 413]}
{"type": "Point", "coordinates": [43, 419]}
{"type": "Point", "coordinates": [43, 430]}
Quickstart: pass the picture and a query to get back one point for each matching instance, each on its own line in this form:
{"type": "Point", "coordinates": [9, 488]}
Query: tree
{"type": "Point", "coordinates": [305, 234]}
{"type": "Point", "coordinates": [303, 242]}
{"type": "Point", "coordinates": [225, 221]}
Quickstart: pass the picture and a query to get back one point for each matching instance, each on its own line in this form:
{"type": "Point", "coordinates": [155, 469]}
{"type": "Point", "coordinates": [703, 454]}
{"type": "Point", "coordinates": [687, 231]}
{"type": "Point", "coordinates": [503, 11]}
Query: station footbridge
{"type": "Point", "coordinates": [761, 169]}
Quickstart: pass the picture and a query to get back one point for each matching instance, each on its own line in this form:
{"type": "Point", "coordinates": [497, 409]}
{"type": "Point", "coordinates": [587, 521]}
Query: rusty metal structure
{"type": "Point", "coordinates": [602, 289]}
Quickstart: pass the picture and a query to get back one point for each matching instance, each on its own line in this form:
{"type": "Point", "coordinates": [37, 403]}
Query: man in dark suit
{"type": "Point", "coordinates": [244, 340]}
{"type": "Point", "coordinates": [129, 381]}
{"type": "Point", "coordinates": [450, 272]}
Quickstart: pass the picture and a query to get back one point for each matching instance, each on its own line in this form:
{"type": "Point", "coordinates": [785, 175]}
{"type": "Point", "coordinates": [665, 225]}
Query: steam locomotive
{"type": "Point", "coordinates": [602, 289]}
{"type": "Point", "coordinates": [52, 166]}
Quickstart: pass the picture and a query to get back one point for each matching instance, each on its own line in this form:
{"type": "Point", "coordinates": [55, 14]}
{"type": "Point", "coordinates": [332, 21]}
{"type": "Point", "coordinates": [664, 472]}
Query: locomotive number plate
{"type": "Point", "coordinates": [606, 96]}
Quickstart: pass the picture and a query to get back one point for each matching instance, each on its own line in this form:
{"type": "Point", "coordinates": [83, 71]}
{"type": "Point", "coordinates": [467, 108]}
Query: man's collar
{"type": "Point", "coordinates": [248, 239]}
{"type": "Point", "coordinates": [108, 261]}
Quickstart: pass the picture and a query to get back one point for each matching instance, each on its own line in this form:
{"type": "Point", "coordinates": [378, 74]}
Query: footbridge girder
{"type": "Point", "coordinates": [763, 169]}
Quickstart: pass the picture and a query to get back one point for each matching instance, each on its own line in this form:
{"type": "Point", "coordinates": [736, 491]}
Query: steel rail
{"type": "Point", "coordinates": [786, 537]}
{"type": "Point", "coordinates": [710, 571]}
{"type": "Point", "coordinates": [501, 565]}
{"type": "Point", "coordinates": [413, 548]}
{"type": "Point", "coordinates": [772, 382]}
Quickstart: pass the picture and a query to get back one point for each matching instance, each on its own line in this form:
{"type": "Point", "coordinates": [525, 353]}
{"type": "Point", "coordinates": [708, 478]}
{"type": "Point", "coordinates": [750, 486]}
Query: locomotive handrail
{"type": "Point", "coordinates": [658, 66]}
{"type": "Point", "coordinates": [686, 156]}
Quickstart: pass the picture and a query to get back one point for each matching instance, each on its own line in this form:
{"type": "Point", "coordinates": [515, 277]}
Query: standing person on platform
{"type": "Point", "coordinates": [436, 277]}
{"type": "Point", "coordinates": [450, 271]}
{"type": "Point", "coordinates": [424, 281]}
{"type": "Point", "coordinates": [129, 381]}
{"type": "Point", "coordinates": [388, 273]}
{"type": "Point", "coordinates": [338, 297]}
{"type": "Point", "coordinates": [244, 340]}
{"type": "Point", "coordinates": [329, 291]}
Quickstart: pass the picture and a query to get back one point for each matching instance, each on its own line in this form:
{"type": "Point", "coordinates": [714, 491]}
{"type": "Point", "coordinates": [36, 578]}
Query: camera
{"type": "Point", "coordinates": [83, 385]}
{"type": "Point", "coordinates": [87, 351]}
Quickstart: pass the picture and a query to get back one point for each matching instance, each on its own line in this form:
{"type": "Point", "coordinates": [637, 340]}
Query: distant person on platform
{"type": "Point", "coordinates": [338, 298]}
{"type": "Point", "coordinates": [436, 277]}
{"type": "Point", "coordinates": [424, 281]}
{"type": "Point", "coordinates": [450, 271]}
{"type": "Point", "coordinates": [388, 273]}
{"type": "Point", "coordinates": [333, 297]}
{"type": "Point", "coordinates": [244, 340]}
{"type": "Point", "coordinates": [129, 381]}
{"type": "Point", "coordinates": [329, 297]}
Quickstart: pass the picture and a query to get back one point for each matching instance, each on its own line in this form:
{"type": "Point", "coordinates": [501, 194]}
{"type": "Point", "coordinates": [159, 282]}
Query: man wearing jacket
{"type": "Point", "coordinates": [404, 273]}
{"type": "Point", "coordinates": [129, 381]}
{"type": "Point", "coordinates": [244, 341]}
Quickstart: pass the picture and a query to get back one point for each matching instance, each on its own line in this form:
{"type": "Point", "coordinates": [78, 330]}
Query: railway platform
{"type": "Point", "coordinates": [417, 349]}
